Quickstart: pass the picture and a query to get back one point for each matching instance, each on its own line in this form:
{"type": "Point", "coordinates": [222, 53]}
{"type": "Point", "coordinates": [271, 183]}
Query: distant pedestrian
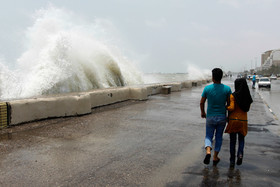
{"type": "Point", "coordinates": [240, 102]}
{"type": "Point", "coordinates": [217, 95]}
{"type": "Point", "coordinates": [254, 81]}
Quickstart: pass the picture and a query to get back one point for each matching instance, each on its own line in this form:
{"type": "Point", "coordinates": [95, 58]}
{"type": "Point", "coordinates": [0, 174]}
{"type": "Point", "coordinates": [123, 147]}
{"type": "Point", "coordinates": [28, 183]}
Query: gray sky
{"type": "Point", "coordinates": [164, 35]}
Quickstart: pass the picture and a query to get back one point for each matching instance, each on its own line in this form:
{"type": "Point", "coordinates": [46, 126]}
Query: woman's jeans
{"type": "Point", "coordinates": [215, 125]}
{"type": "Point", "coordinates": [241, 143]}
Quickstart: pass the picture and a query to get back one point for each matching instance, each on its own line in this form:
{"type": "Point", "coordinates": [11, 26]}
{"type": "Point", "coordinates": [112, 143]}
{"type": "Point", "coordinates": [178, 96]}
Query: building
{"type": "Point", "coordinates": [269, 58]}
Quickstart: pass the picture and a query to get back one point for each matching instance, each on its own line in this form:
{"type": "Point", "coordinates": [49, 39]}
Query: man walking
{"type": "Point", "coordinates": [254, 81]}
{"type": "Point", "coordinates": [217, 95]}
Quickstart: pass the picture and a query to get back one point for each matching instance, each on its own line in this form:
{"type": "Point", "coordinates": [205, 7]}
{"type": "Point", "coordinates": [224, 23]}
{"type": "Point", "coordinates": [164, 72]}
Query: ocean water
{"type": "Point", "coordinates": [64, 55]}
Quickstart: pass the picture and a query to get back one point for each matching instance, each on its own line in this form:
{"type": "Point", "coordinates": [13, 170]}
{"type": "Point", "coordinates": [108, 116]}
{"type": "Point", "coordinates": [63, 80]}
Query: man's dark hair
{"type": "Point", "coordinates": [217, 74]}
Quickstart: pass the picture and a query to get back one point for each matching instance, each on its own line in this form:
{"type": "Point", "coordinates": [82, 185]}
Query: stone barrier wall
{"type": "Point", "coordinates": [27, 110]}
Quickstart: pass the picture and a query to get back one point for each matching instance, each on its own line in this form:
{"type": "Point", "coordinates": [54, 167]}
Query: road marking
{"type": "Point", "coordinates": [275, 117]}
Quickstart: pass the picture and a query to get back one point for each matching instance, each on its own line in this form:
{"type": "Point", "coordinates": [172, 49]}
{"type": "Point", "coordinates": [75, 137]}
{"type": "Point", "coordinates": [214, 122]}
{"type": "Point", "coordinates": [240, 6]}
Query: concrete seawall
{"type": "Point", "coordinates": [72, 104]}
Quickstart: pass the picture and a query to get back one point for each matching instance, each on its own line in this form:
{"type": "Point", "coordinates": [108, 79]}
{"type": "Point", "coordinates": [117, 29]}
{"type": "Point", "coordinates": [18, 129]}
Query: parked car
{"type": "Point", "coordinates": [264, 82]}
{"type": "Point", "coordinates": [273, 77]}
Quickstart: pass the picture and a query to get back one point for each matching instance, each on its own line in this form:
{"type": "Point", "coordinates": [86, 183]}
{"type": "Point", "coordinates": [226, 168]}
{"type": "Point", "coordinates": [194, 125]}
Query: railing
{"type": "Point", "coordinates": [4, 115]}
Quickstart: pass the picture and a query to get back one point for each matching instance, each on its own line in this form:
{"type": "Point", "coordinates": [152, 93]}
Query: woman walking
{"type": "Point", "coordinates": [240, 102]}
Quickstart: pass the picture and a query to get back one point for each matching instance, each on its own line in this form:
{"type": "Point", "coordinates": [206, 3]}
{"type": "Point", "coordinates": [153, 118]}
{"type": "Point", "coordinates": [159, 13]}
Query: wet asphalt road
{"type": "Point", "coordinates": [271, 96]}
{"type": "Point", "coordinates": [158, 142]}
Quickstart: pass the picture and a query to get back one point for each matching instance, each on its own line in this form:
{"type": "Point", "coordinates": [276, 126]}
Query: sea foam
{"type": "Point", "coordinates": [65, 56]}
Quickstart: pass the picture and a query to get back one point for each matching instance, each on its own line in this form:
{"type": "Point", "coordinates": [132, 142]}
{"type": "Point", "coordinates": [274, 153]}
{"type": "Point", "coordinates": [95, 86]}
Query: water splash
{"type": "Point", "coordinates": [195, 73]}
{"type": "Point", "coordinates": [65, 56]}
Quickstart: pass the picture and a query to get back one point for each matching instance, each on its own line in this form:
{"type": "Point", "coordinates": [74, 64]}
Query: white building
{"type": "Point", "coordinates": [269, 58]}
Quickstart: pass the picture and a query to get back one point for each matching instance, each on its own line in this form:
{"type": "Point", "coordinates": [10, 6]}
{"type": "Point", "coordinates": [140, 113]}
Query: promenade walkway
{"type": "Point", "coordinates": [158, 142]}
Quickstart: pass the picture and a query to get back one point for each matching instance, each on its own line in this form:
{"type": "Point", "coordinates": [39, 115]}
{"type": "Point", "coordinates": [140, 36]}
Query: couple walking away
{"type": "Point", "coordinates": [220, 99]}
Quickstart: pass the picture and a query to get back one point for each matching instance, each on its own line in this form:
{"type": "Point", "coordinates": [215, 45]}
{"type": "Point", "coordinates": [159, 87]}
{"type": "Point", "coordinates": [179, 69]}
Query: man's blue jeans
{"type": "Point", "coordinates": [215, 125]}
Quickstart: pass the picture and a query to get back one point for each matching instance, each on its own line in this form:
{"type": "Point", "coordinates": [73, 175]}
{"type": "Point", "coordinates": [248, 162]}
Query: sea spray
{"type": "Point", "coordinates": [196, 73]}
{"type": "Point", "coordinates": [64, 56]}
{"type": "Point", "coordinates": [151, 78]}
{"type": "Point", "coordinates": [192, 73]}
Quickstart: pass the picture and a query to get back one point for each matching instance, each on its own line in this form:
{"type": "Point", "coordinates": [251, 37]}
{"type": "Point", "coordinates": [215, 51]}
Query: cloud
{"type": "Point", "coordinates": [156, 24]}
{"type": "Point", "coordinates": [232, 3]}
{"type": "Point", "coordinates": [251, 34]}
{"type": "Point", "coordinates": [200, 27]}
{"type": "Point", "coordinates": [212, 42]}
{"type": "Point", "coordinates": [258, 1]}
{"type": "Point", "coordinates": [241, 3]}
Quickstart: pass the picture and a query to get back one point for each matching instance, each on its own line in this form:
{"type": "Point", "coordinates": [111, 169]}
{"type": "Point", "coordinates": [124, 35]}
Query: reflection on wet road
{"type": "Point", "coordinates": [261, 155]}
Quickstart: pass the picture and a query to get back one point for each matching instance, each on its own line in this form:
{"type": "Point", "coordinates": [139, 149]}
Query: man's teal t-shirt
{"type": "Point", "coordinates": [216, 95]}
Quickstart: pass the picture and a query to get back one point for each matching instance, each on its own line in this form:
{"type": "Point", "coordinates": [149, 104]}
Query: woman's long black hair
{"type": "Point", "coordinates": [242, 94]}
